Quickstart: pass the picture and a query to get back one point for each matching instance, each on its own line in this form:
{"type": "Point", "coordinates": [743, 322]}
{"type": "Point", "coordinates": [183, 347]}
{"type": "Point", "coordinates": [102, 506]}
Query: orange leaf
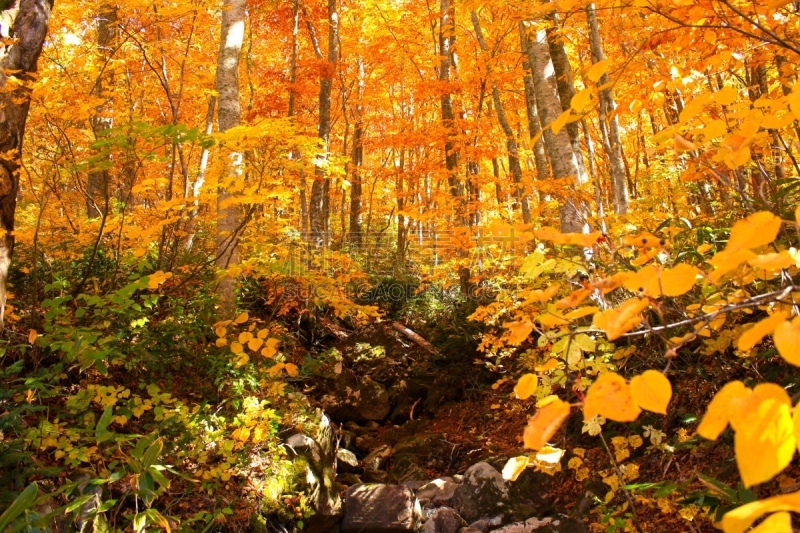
{"type": "Point", "coordinates": [544, 424]}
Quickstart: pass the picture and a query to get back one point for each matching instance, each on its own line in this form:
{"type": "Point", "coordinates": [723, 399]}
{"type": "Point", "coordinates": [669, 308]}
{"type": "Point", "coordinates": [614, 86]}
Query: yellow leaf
{"type": "Point", "coordinates": [514, 467]}
{"type": "Point", "coordinates": [245, 336]}
{"type": "Point", "coordinates": [237, 348]}
{"type": "Point", "coordinates": [682, 144]}
{"type": "Point", "coordinates": [581, 100]}
{"type": "Point", "coordinates": [756, 230]}
{"type": "Point", "coordinates": [775, 523]}
{"type": "Point", "coordinates": [221, 331]}
{"type": "Point", "coordinates": [718, 414]}
{"type": "Point", "coordinates": [739, 519]}
{"type": "Point", "coordinates": [607, 285]}
{"type": "Point", "coordinates": [797, 214]}
{"type": "Point", "coordinates": [582, 312]}
{"type": "Point", "coordinates": [597, 70]}
{"type": "Point", "coordinates": [710, 36]}
{"type": "Point", "coordinates": [725, 96]}
{"type": "Point", "coordinates": [242, 318]}
{"type": "Point", "coordinates": [610, 396]}
{"type": "Point", "coordinates": [655, 282]}
{"type": "Point", "coordinates": [544, 424]}
{"type": "Point", "coordinates": [32, 335]}
{"type": "Point", "coordinates": [255, 343]}
{"type": "Point", "coordinates": [551, 364]}
{"type": "Point", "coordinates": [752, 336]}
{"type": "Point", "coordinates": [221, 342]}
{"type": "Point", "coordinates": [574, 299]}
{"type": "Point", "coordinates": [616, 322]}
{"type": "Point", "coordinates": [794, 101]}
{"type": "Point", "coordinates": [526, 386]}
{"type": "Point", "coordinates": [644, 239]}
{"type": "Point", "coordinates": [518, 330]}
{"type": "Point", "coordinates": [651, 391]}
{"type": "Point", "coordinates": [772, 261]}
{"type": "Point", "coordinates": [291, 369]}
{"type": "Point", "coordinates": [741, 407]}
{"type": "Point", "coordinates": [726, 260]}
{"type": "Point", "coordinates": [787, 340]}
{"type": "Point", "coordinates": [765, 443]}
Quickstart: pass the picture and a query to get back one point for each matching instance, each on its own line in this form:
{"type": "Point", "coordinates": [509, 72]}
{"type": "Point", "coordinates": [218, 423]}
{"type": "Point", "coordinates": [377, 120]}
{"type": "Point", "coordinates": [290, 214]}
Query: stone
{"type": "Point", "coordinates": [366, 443]}
{"type": "Point", "coordinates": [346, 461]}
{"type": "Point", "coordinates": [377, 508]}
{"type": "Point", "coordinates": [469, 530]}
{"type": "Point", "coordinates": [414, 485]}
{"type": "Point", "coordinates": [375, 476]}
{"type": "Point", "coordinates": [406, 468]}
{"type": "Point", "coordinates": [560, 524]}
{"type": "Point", "coordinates": [356, 399]}
{"type": "Point", "coordinates": [443, 520]}
{"type": "Point", "coordinates": [348, 479]}
{"type": "Point", "coordinates": [316, 456]}
{"type": "Point", "coordinates": [485, 524]}
{"type": "Point", "coordinates": [483, 493]}
{"type": "Point", "coordinates": [378, 458]}
{"type": "Point", "coordinates": [439, 491]}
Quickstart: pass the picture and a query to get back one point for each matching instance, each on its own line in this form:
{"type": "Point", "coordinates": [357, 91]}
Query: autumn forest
{"type": "Point", "coordinates": [377, 266]}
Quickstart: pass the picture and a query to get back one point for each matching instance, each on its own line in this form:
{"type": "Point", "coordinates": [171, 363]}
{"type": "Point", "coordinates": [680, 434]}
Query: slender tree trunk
{"type": "Point", "coordinates": [201, 177]}
{"type": "Point", "coordinates": [534, 123]}
{"type": "Point", "coordinates": [566, 90]}
{"type": "Point", "coordinates": [320, 189]}
{"type": "Point", "coordinates": [356, 160]}
{"type": "Point", "coordinates": [608, 120]}
{"type": "Point", "coordinates": [447, 29]}
{"type": "Point", "coordinates": [28, 31]}
{"type": "Point", "coordinates": [97, 186]}
{"type": "Point", "coordinates": [563, 161]}
{"type": "Point", "coordinates": [291, 112]}
{"type": "Point", "coordinates": [511, 142]}
{"type": "Point", "coordinates": [229, 116]}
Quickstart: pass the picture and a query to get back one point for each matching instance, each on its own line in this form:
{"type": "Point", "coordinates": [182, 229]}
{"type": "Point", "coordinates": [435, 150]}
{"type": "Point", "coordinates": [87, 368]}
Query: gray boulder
{"type": "Point", "coordinates": [439, 491]}
{"type": "Point", "coordinates": [483, 493]}
{"type": "Point", "coordinates": [562, 524]}
{"type": "Point", "coordinates": [380, 509]}
{"type": "Point", "coordinates": [443, 520]}
{"type": "Point", "coordinates": [356, 400]}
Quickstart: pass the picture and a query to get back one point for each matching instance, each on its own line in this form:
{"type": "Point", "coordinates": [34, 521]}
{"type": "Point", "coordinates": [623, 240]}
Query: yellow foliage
{"type": "Point", "coordinates": [651, 391]}
{"type": "Point", "coordinates": [616, 322]}
{"type": "Point", "coordinates": [760, 329]}
{"type": "Point", "coordinates": [787, 340]}
{"type": "Point", "coordinates": [544, 424]}
{"type": "Point", "coordinates": [610, 396]}
{"type": "Point", "coordinates": [718, 414]}
{"type": "Point", "coordinates": [526, 386]}
{"type": "Point", "coordinates": [765, 442]}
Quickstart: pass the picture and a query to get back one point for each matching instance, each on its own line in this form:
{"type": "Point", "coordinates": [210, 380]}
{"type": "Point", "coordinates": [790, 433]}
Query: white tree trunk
{"type": "Point", "coordinates": [229, 116]}
{"type": "Point", "coordinates": [563, 161]}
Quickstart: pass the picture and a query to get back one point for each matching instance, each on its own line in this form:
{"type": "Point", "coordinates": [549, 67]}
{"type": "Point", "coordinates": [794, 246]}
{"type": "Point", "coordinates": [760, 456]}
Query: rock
{"type": "Point", "coordinates": [406, 395]}
{"type": "Point", "coordinates": [347, 439]}
{"type": "Point", "coordinates": [372, 425]}
{"type": "Point", "coordinates": [483, 493]}
{"type": "Point", "coordinates": [346, 461]}
{"type": "Point", "coordinates": [485, 524]}
{"type": "Point", "coordinates": [378, 458]}
{"type": "Point", "coordinates": [405, 468]}
{"type": "Point", "coordinates": [366, 443]}
{"type": "Point", "coordinates": [439, 491]}
{"type": "Point", "coordinates": [443, 520]}
{"type": "Point", "coordinates": [355, 429]}
{"type": "Point", "coordinates": [414, 485]}
{"type": "Point", "coordinates": [373, 508]}
{"type": "Point", "coordinates": [560, 524]}
{"type": "Point", "coordinates": [348, 479]}
{"type": "Point", "coordinates": [356, 399]}
{"type": "Point", "coordinates": [469, 530]}
{"type": "Point", "coordinates": [316, 455]}
{"type": "Point", "coordinates": [375, 476]}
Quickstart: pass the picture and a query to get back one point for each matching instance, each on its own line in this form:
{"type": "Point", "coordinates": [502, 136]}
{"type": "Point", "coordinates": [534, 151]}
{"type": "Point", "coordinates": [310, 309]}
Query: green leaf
{"type": "Point", "coordinates": [21, 504]}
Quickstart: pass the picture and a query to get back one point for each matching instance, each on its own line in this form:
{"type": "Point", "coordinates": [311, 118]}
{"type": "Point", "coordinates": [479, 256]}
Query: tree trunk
{"type": "Point", "coordinates": [447, 30]}
{"type": "Point", "coordinates": [320, 189]}
{"type": "Point", "coordinates": [619, 182]}
{"type": "Point", "coordinates": [511, 142]}
{"type": "Point", "coordinates": [563, 161]}
{"type": "Point", "coordinates": [534, 123]}
{"type": "Point", "coordinates": [229, 116]}
{"type": "Point", "coordinates": [566, 90]}
{"type": "Point", "coordinates": [29, 30]}
{"type": "Point", "coordinates": [97, 193]}
{"type": "Point", "coordinates": [357, 158]}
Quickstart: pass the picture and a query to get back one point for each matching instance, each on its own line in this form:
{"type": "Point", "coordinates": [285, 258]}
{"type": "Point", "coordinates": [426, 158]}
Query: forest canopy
{"type": "Point", "coordinates": [586, 214]}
